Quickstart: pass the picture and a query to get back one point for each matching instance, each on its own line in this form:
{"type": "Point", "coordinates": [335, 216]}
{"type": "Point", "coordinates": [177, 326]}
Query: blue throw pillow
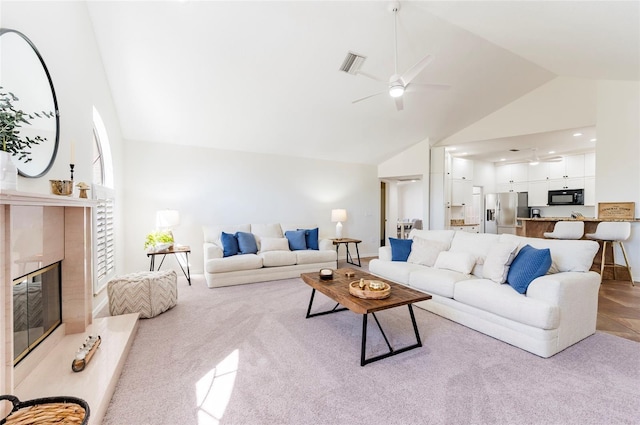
{"type": "Point", "coordinates": [246, 243]}
{"type": "Point", "coordinates": [229, 244]}
{"type": "Point", "coordinates": [296, 239]}
{"type": "Point", "coordinates": [400, 249]}
{"type": "Point", "coordinates": [311, 238]}
{"type": "Point", "coordinates": [530, 263]}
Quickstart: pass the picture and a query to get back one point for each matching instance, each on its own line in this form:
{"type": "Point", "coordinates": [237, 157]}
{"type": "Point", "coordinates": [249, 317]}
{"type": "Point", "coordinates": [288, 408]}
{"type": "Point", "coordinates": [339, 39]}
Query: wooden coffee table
{"type": "Point", "coordinates": [338, 290]}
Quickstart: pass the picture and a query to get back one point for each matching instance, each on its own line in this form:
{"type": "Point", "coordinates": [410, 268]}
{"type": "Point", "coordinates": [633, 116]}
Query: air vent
{"type": "Point", "coordinates": [352, 63]}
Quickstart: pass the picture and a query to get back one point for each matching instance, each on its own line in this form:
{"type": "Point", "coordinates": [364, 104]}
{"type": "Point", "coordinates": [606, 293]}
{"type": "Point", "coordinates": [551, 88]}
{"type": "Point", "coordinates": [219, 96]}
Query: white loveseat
{"type": "Point", "coordinates": [273, 263]}
{"type": "Point", "coordinates": [557, 310]}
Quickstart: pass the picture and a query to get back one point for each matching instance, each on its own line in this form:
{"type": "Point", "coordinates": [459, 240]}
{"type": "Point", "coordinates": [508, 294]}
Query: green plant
{"type": "Point", "coordinates": [158, 237]}
{"type": "Point", "coordinates": [11, 121]}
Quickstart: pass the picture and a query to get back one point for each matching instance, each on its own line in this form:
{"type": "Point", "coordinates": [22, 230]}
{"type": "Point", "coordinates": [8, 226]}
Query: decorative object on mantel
{"type": "Point", "coordinates": [85, 353]}
{"type": "Point", "coordinates": [61, 187]}
{"type": "Point", "coordinates": [46, 411]}
{"type": "Point", "coordinates": [83, 189]}
{"type": "Point", "coordinates": [617, 210]}
{"type": "Point", "coordinates": [8, 172]}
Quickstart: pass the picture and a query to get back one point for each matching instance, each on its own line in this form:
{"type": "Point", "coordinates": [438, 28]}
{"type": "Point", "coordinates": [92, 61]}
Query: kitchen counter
{"type": "Point", "coordinates": [585, 219]}
{"type": "Point", "coordinates": [535, 227]}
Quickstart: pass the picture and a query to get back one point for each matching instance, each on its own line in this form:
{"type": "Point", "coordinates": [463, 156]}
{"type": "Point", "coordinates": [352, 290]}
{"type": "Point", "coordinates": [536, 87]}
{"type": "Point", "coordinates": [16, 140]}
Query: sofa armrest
{"type": "Point", "coordinates": [212, 250]}
{"type": "Point", "coordinates": [384, 253]}
{"type": "Point", "coordinates": [576, 294]}
{"type": "Point", "coordinates": [325, 244]}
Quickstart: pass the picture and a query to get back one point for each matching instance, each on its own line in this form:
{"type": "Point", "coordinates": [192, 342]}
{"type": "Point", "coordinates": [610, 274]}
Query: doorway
{"type": "Point", "coordinates": [383, 213]}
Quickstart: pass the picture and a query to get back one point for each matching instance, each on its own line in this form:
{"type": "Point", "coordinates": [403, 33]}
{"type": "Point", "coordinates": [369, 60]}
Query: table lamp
{"type": "Point", "coordinates": [338, 216]}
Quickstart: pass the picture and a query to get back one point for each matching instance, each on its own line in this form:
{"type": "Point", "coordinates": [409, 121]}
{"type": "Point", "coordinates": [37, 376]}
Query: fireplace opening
{"type": "Point", "coordinates": [37, 309]}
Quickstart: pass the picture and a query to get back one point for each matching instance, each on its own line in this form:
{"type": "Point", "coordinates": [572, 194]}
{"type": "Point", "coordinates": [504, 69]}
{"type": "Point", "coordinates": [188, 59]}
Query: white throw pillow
{"type": "Point", "coordinates": [462, 262]}
{"type": "Point", "coordinates": [425, 251]}
{"type": "Point", "coordinates": [274, 244]}
{"type": "Point", "coordinates": [498, 261]}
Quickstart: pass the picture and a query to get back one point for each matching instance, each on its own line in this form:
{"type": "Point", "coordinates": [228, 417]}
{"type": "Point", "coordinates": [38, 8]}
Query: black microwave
{"type": "Point", "coordinates": [566, 197]}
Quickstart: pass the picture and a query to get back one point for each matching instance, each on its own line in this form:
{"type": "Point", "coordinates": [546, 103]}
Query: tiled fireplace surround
{"type": "Point", "coordinates": [35, 231]}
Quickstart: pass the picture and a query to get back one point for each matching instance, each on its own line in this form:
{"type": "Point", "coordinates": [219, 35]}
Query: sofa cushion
{"type": "Point", "coordinates": [461, 262]}
{"type": "Point", "coordinates": [246, 243]}
{"type": "Point", "coordinates": [566, 255]}
{"type": "Point", "coordinates": [434, 235]}
{"type": "Point", "coordinates": [274, 244]}
{"type": "Point", "coordinates": [269, 230]}
{"type": "Point", "coordinates": [499, 259]}
{"type": "Point", "coordinates": [394, 270]}
{"type": "Point", "coordinates": [311, 238]}
{"type": "Point", "coordinates": [477, 244]}
{"type": "Point", "coordinates": [529, 264]}
{"type": "Point", "coordinates": [503, 301]}
{"type": "Point", "coordinates": [278, 258]}
{"type": "Point", "coordinates": [436, 281]}
{"type": "Point", "coordinates": [231, 264]}
{"type": "Point", "coordinates": [296, 239]}
{"type": "Point", "coordinates": [425, 251]}
{"type": "Point", "coordinates": [400, 249]}
{"type": "Point", "coordinates": [310, 256]}
{"type": "Point", "coordinates": [229, 244]}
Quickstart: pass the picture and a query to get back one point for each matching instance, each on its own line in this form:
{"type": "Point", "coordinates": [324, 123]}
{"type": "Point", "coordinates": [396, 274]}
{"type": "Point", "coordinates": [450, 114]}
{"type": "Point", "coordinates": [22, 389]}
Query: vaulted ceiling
{"type": "Point", "coordinates": [264, 77]}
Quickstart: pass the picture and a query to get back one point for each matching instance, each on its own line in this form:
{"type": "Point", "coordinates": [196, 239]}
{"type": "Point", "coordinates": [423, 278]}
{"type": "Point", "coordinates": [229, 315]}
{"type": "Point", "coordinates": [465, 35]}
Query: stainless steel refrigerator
{"type": "Point", "coordinates": [503, 209]}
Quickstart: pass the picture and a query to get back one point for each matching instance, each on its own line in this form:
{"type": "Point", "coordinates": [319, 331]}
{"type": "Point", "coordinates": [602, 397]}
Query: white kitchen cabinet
{"type": "Point", "coordinates": [589, 164]}
{"type": "Point", "coordinates": [512, 173]}
{"type": "Point", "coordinates": [558, 184]}
{"type": "Point", "coordinates": [461, 169]}
{"type": "Point", "coordinates": [538, 193]}
{"type": "Point", "coordinates": [590, 191]}
{"type": "Point", "coordinates": [512, 187]}
{"type": "Point", "coordinates": [539, 172]}
{"type": "Point", "coordinates": [461, 192]}
{"type": "Point", "coordinates": [570, 167]}
{"type": "Point", "coordinates": [469, 229]}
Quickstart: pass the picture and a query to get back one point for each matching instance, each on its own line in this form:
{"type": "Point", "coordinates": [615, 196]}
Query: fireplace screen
{"type": "Point", "coordinates": [36, 309]}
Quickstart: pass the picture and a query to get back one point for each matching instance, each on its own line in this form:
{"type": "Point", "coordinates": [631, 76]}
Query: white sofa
{"type": "Point", "coordinates": [557, 310]}
{"type": "Point", "coordinates": [264, 265]}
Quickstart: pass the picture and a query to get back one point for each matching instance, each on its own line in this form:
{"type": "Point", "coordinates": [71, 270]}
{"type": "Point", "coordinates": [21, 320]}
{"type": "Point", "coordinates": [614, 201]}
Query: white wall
{"type": "Point", "coordinates": [211, 186]}
{"type": "Point", "coordinates": [62, 33]}
{"type": "Point", "coordinates": [618, 155]}
{"type": "Point", "coordinates": [410, 196]}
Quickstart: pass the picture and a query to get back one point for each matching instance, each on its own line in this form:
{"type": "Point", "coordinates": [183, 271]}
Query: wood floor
{"type": "Point", "coordinates": [618, 307]}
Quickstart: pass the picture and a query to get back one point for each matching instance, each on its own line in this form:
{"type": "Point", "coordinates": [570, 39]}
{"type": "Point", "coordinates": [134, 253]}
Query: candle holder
{"type": "Point", "coordinates": [72, 165]}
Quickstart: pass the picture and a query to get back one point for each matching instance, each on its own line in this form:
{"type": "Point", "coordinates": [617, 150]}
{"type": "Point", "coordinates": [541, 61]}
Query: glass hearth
{"type": "Point", "coordinates": [36, 309]}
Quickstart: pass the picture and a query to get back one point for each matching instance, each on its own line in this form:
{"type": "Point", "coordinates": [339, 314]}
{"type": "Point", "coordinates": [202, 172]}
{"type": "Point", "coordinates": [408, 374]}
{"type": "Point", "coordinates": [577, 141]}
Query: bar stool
{"type": "Point", "coordinates": [612, 232]}
{"type": "Point", "coordinates": [566, 230]}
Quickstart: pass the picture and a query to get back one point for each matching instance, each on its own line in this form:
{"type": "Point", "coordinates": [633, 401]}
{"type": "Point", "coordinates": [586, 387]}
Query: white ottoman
{"type": "Point", "coordinates": [147, 293]}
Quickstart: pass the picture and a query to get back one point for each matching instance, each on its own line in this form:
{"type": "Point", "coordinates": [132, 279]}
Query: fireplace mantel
{"type": "Point", "coordinates": [73, 225]}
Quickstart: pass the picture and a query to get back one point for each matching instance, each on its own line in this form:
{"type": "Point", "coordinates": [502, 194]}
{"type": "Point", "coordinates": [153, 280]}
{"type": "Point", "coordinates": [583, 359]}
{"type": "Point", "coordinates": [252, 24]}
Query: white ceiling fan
{"type": "Point", "coordinates": [399, 84]}
{"type": "Point", "coordinates": [535, 159]}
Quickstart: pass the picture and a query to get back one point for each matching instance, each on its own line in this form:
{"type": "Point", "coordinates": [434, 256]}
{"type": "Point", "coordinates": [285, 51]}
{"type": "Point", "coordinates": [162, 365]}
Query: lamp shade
{"type": "Point", "coordinates": [338, 216]}
{"type": "Point", "coordinates": [167, 219]}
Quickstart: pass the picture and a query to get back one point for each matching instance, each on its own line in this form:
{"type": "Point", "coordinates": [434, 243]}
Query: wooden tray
{"type": "Point", "coordinates": [366, 293]}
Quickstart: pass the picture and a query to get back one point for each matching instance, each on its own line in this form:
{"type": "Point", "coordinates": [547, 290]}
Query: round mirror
{"type": "Point", "coordinates": [24, 74]}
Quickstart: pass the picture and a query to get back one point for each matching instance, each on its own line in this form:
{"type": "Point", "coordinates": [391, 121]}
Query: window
{"type": "Point", "coordinates": [104, 266]}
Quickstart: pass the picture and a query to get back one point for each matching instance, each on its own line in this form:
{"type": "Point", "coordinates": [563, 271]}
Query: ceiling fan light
{"type": "Point", "coordinates": [396, 91]}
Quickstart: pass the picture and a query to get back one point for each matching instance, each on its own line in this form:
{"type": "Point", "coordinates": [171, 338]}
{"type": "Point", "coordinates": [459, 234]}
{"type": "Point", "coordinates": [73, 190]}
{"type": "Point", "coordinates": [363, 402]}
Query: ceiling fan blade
{"type": "Point", "coordinates": [421, 86]}
{"type": "Point", "coordinates": [367, 97]}
{"type": "Point", "coordinates": [416, 69]}
{"type": "Point", "coordinates": [399, 103]}
{"type": "Point", "coordinates": [373, 77]}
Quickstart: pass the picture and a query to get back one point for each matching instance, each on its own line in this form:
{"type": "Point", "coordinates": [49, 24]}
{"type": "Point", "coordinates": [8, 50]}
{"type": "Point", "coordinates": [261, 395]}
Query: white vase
{"type": "Point", "coordinates": [8, 172]}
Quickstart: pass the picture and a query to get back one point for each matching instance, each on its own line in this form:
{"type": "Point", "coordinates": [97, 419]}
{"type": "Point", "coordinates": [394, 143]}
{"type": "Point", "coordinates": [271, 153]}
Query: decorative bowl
{"type": "Point", "coordinates": [61, 187]}
{"type": "Point", "coordinates": [326, 274]}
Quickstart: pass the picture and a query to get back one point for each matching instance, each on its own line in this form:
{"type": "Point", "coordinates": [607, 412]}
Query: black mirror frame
{"type": "Point", "coordinates": [55, 103]}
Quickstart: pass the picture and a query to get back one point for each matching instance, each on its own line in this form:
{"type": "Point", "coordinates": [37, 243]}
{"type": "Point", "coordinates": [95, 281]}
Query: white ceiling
{"type": "Point", "coordinates": [263, 76]}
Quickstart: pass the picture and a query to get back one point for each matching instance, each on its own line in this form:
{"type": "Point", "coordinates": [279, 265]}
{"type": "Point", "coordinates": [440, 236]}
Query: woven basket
{"type": "Point", "coordinates": [46, 411]}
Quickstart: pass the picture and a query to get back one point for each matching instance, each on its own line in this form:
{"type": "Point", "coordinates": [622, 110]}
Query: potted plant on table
{"type": "Point", "coordinates": [12, 143]}
{"type": "Point", "coordinates": [158, 241]}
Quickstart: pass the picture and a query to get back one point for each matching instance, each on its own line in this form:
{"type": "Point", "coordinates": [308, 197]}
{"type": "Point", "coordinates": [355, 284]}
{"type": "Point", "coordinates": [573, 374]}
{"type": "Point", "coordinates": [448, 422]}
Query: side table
{"type": "Point", "coordinates": [346, 242]}
{"type": "Point", "coordinates": [175, 250]}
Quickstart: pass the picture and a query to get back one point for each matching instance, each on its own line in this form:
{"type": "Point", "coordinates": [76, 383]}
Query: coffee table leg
{"type": "Point", "coordinates": [392, 352]}
{"type": "Point", "coordinates": [333, 310]}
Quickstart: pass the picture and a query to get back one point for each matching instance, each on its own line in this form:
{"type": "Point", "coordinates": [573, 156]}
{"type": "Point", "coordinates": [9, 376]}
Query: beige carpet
{"type": "Point", "coordinates": [247, 355]}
